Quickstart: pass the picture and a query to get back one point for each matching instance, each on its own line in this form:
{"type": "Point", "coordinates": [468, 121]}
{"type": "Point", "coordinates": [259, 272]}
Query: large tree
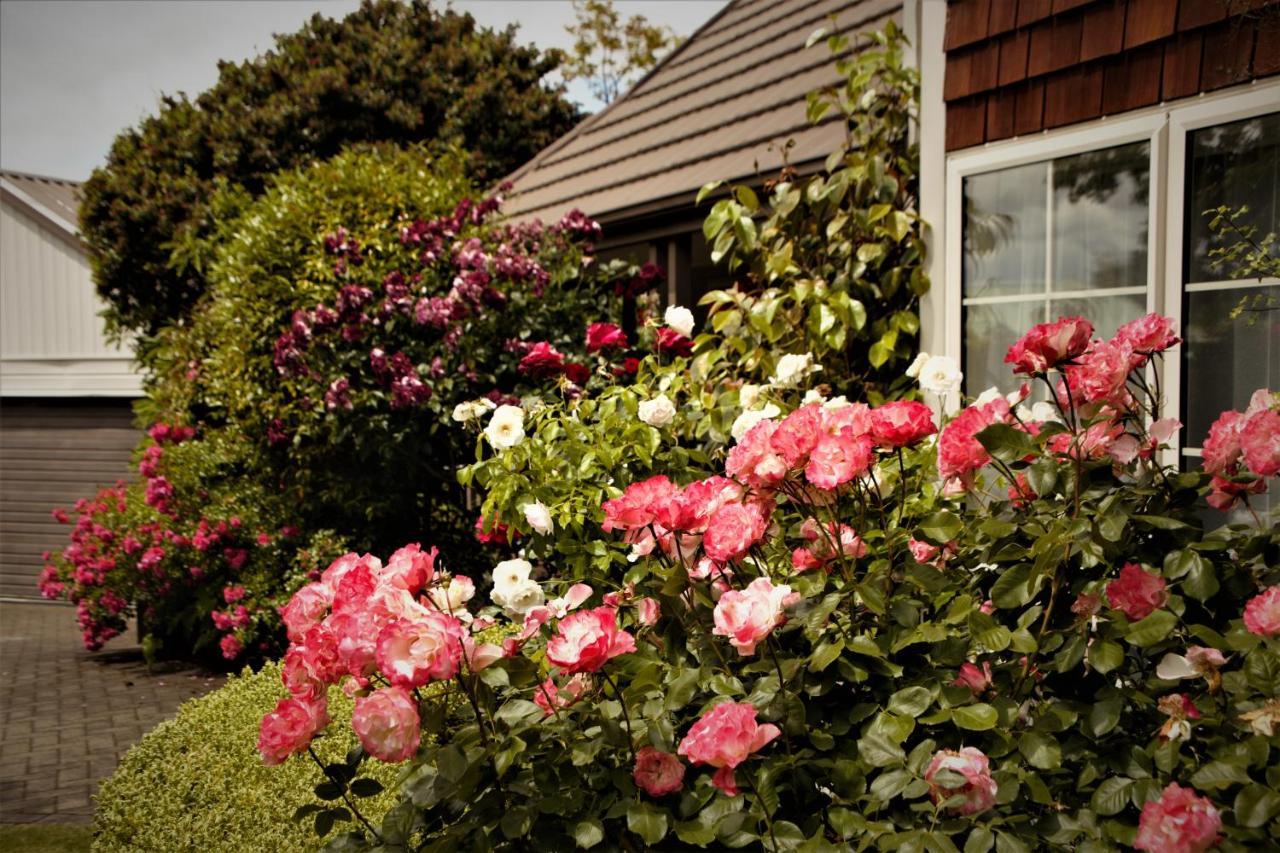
{"type": "Point", "coordinates": [391, 71]}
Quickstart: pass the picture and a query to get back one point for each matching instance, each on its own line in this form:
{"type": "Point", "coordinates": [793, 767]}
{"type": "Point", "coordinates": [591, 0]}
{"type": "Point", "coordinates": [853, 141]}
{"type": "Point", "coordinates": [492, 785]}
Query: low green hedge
{"type": "Point", "coordinates": [196, 782]}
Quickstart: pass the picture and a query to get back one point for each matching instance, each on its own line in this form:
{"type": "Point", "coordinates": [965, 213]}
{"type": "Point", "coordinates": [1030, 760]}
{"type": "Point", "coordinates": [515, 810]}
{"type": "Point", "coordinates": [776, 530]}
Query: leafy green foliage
{"type": "Point", "coordinates": [196, 782]}
{"type": "Point", "coordinates": [1246, 256]}
{"type": "Point", "coordinates": [389, 72]}
{"type": "Point", "coordinates": [610, 53]}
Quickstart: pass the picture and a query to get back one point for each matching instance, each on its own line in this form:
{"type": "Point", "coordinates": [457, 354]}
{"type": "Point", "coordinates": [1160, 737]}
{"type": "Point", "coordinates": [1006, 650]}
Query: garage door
{"type": "Point", "coordinates": [50, 455]}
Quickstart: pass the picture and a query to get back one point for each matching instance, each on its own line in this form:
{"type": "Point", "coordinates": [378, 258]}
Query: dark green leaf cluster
{"type": "Point", "coordinates": [389, 72]}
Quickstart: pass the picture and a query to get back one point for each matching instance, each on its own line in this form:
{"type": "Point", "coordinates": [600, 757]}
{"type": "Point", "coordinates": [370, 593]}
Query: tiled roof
{"type": "Point", "coordinates": [720, 107]}
{"type": "Point", "coordinates": [53, 198]}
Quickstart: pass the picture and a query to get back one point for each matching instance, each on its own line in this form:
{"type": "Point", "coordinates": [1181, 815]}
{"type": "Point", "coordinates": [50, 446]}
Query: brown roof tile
{"type": "Point", "coordinates": [720, 108]}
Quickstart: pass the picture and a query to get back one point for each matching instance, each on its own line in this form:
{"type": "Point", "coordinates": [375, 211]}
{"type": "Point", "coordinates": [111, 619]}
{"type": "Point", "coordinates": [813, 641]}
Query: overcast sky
{"type": "Point", "coordinates": [74, 73]}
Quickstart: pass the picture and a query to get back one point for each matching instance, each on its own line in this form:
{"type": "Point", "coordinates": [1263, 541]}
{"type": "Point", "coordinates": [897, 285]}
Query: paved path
{"type": "Point", "coordinates": [67, 715]}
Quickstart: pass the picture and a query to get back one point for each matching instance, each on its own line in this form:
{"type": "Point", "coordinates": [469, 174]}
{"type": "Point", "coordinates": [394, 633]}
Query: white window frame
{"type": "Point", "coordinates": [1165, 129]}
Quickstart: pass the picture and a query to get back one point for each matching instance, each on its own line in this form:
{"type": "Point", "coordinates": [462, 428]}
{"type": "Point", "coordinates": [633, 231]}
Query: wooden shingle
{"type": "Point", "coordinates": [1029, 107]}
{"type": "Point", "coordinates": [1181, 75]}
{"type": "Point", "coordinates": [1073, 95]}
{"type": "Point", "coordinates": [1003, 17]}
{"type": "Point", "coordinates": [1102, 30]}
{"type": "Point", "coordinates": [1228, 49]}
{"type": "Point", "coordinates": [1266, 51]}
{"type": "Point", "coordinates": [1054, 45]}
{"type": "Point", "coordinates": [1132, 80]}
{"type": "Point", "coordinates": [966, 122]}
{"type": "Point", "coordinates": [1001, 114]}
{"type": "Point", "coordinates": [1194, 14]}
{"type": "Point", "coordinates": [1013, 58]}
{"type": "Point", "coordinates": [1148, 21]}
{"type": "Point", "coordinates": [966, 22]}
{"type": "Point", "coordinates": [1030, 11]}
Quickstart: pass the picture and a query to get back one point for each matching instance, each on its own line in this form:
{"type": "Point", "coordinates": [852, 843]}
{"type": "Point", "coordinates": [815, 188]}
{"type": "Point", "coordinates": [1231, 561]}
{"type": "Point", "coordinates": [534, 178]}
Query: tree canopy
{"type": "Point", "coordinates": [389, 72]}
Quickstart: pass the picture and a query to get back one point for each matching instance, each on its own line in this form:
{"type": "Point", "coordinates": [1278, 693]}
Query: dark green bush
{"type": "Point", "coordinates": [395, 72]}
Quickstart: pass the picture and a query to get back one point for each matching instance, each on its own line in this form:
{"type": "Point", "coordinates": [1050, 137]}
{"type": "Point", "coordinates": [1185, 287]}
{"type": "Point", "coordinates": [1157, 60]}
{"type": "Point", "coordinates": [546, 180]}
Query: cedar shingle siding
{"type": "Point", "coordinates": [1021, 66]}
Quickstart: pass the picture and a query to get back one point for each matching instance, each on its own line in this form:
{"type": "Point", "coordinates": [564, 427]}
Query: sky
{"type": "Point", "coordinates": [74, 73]}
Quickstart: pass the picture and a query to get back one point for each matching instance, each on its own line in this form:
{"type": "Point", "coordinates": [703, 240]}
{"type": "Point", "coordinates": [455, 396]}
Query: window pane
{"type": "Point", "coordinates": [1105, 312]}
{"type": "Point", "coordinates": [1227, 360]}
{"type": "Point", "coordinates": [1232, 164]}
{"type": "Point", "coordinates": [989, 330]}
{"type": "Point", "coordinates": [1100, 218]}
{"type": "Point", "coordinates": [1004, 231]}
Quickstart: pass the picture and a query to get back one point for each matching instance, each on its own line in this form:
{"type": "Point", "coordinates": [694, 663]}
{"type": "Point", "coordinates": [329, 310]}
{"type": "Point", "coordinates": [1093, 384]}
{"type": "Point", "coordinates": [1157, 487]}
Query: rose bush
{"type": "Point", "coordinates": [1004, 630]}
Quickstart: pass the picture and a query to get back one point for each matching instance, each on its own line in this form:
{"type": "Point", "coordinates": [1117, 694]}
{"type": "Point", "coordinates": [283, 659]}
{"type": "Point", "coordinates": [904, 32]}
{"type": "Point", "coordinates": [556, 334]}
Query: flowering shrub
{"type": "Point", "coordinates": [1006, 630]}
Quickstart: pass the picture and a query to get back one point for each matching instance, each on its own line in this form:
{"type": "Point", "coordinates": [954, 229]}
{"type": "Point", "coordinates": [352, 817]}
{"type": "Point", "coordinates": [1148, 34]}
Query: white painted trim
{"type": "Point", "coordinates": [54, 219]}
{"type": "Point", "coordinates": [1045, 296]}
{"type": "Point", "coordinates": [934, 186]}
{"type": "Point", "coordinates": [1231, 284]}
{"type": "Point", "coordinates": [69, 378]}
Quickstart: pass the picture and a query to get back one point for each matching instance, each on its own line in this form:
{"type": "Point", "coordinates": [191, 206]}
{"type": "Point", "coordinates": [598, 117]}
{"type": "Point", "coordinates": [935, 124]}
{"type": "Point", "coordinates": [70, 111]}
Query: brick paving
{"type": "Point", "coordinates": [67, 715]}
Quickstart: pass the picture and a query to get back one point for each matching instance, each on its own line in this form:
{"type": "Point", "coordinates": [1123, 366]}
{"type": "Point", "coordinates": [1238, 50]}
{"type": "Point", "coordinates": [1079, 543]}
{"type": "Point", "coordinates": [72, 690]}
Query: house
{"type": "Point", "coordinates": [1068, 151]}
{"type": "Point", "coordinates": [66, 425]}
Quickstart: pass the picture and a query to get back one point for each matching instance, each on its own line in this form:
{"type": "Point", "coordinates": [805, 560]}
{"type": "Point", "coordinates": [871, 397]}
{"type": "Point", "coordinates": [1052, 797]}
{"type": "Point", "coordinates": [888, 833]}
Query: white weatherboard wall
{"type": "Point", "coordinates": [51, 341]}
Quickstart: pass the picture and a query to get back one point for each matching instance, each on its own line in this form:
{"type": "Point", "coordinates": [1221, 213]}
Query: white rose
{"type": "Point", "coordinates": [940, 374]}
{"type": "Point", "coordinates": [508, 573]}
{"type": "Point", "coordinates": [472, 409]}
{"type": "Point", "coordinates": [745, 421]}
{"type": "Point", "coordinates": [454, 597]}
{"type": "Point", "coordinates": [749, 395]}
{"type": "Point", "coordinates": [987, 396]}
{"type": "Point", "coordinates": [1044, 411]}
{"type": "Point", "coordinates": [657, 412]}
{"type": "Point", "coordinates": [836, 403]}
{"type": "Point", "coordinates": [538, 516]}
{"type": "Point", "coordinates": [506, 427]}
{"type": "Point", "coordinates": [813, 395]}
{"type": "Point", "coordinates": [793, 367]}
{"type": "Point", "coordinates": [680, 319]}
{"type": "Point", "coordinates": [913, 370]}
{"type": "Point", "coordinates": [518, 599]}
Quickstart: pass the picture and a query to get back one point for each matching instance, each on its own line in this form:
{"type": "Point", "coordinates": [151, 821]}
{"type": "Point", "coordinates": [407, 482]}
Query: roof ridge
{"type": "Point", "coordinates": [782, 8]}
{"type": "Point", "coordinates": [749, 143]}
{"type": "Point", "coordinates": [31, 176]}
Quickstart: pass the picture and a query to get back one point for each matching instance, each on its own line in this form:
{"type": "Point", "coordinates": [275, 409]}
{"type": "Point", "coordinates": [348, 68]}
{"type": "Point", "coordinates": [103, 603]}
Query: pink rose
{"type": "Point", "coordinates": [821, 544]}
{"type": "Point", "coordinates": [1137, 593]}
{"type": "Point", "coordinates": [387, 723]}
{"type": "Point", "coordinates": [724, 737]}
{"type": "Point", "coordinates": [1178, 822]}
{"type": "Point", "coordinates": [1224, 493]}
{"type": "Point", "coordinates": [587, 639]}
{"type": "Point", "coordinates": [1260, 442]}
{"type": "Point", "coordinates": [648, 611]}
{"type": "Point", "coordinates": [978, 788]}
{"type": "Point", "coordinates": [658, 773]}
{"type": "Point", "coordinates": [837, 459]}
{"type": "Point", "coordinates": [410, 568]}
{"type": "Point", "coordinates": [693, 506]}
{"type": "Point", "coordinates": [1149, 334]}
{"type": "Point", "coordinates": [605, 336]}
{"type": "Point", "coordinates": [548, 697]}
{"type": "Point", "coordinates": [977, 680]}
{"type": "Point", "coordinates": [1101, 373]}
{"type": "Point", "coordinates": [959, 451]}
{"type": "Point", "coordinates": [733, 529]}
{"type": "Point", "coordinates": [638, 505]}
{"type": "Point", "coordinates": [413, 652]}
{"type": "Point", "coordinates": [298, 677]}
{"type": "Point", "coordinates": [1222, 446]}
{"type": "Point", "coordinates": [289, 729]}
{"type": "Point", "coordinates": [901, 423]}
{"type": "Point", "coordinates": [747, 616]}
{"type": "Point", "coordinates": [1048, 345]}
{"type": "Point", "coordinates": [542, 360]}
{"type": "Point", "coordinates": [231, 646]}
{"type": "Point", "coordinates": [753, 462]}
{"type": "Point", "coordinates": [1262, 613]}
{"type": "Point", "coordinates": [797, 435]}
{"type": "Point", "coordinates": [670, 342]}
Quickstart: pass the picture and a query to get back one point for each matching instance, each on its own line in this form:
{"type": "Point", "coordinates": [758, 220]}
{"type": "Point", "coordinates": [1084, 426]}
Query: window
{"type": "Point", "coordinates": [1106, 220]}
{"type": "Point", "coordinates": [1066, 236]}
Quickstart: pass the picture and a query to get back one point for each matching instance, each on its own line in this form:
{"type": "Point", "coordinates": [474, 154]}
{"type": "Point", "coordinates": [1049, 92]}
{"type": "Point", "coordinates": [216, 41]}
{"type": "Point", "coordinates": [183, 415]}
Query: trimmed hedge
{"type": "Point", "coordinates": [196, 782]}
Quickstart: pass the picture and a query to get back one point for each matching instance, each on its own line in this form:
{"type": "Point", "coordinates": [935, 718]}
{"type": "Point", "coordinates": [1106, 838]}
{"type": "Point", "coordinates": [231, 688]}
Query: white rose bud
{"type": "Point", "coordinates": [506, 427]}
{"type": "Point", "coordinates": [990, 395]}
{"type": "Point", "coordinates": [680, 319]}
{"type": "Point", "coordinates": [657, 412]}
{"type": "Point", "coordinates": [748, 396]}
{"type": "Point", "coordinates": [793, 367]}
{"type": "Point", "coordinates": [519, 598]}
{"type": "Point", "coordinates": [940, 374]}
{"type": "Point", "coordinates": [538, 517]}
{"type": "Point", "coordinates": [745, 421]}
{"type": "Point", "coordinates": [472, 409]}
{"type": "Point", "coordinates": [913, 370]}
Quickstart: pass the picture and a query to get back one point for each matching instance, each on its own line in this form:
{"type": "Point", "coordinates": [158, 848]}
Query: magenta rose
{"type": "Point", "coordinates": [1260, 442]}
{"type": "Point", "coordinates": [605, 336]}
{"type": "Point", "coordinates": [658, 773]}
{"type": "Point", "coordinates": [973, 779]}
{"type": "Point", "coordinates": [1137, 593]}
{"type": "Point", "coordinates": [1178, 822]}
{"type": "Point", "coordinates": [542, 360]}
{"type": "Point", "coordinates": [1048, 345]}
{"type": "Point", "coordinates": [289, 729]}
{"type": "Point", "coordinates": [412, 652]}
{"type": "Point", "coordinates": [748, 615]}
{"type": "Point", "coordinates": [1150, 334]}
{"type": "Point", "coordinates": [1262, 613]}
{"type": "Point", "coordinates": [901, 423]}
{"type": "Point", "coordinates": [387, 723]}
{"type": "Point", "coordinates": [724, 737]}
{"type": "Point", "coordinates": [588, 639]}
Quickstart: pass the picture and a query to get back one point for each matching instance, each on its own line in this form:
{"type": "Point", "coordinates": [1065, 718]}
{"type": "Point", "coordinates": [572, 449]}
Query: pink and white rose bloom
{"type": "Point", "coordinates": [1262, 613]}
{"type": "Point", "coordinates": [1137, 593]}
{"type": "Point", "coordinates": [290, 728]}
{"type": "Point", "coordinates": [412, 653]}
{"type": "Point", "coordinates": [977, 787]}
{"type": "Point", "coordinates": [1048, 345]}
{"type": "Point", "coordinates": [387, 723]}
{"type": "Point", "coordinates": [733, 529]}
{"type": "Point", "coordinates": [748, 615]}
{"type": "Point", "coordinates": [1178, 822]}
{"type": "Point", "coordinates": [587, 640]}
{"type": "Point", "coordinates": [658, 773]}
{"type": "Point", "coordinates": [724, 737]}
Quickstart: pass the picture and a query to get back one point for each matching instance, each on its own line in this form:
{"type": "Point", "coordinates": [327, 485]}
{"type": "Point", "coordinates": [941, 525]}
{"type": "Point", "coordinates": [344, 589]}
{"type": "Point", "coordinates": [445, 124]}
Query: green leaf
{"type": "Point", "coordinates": [941, 527]}
{"type": "Point", "coordinates": [328, 791]}
{"type": "Point", "coordinates": [910, 701]}
{"type": "Point", "coordinates": [1160, 522]}
{"type": "Point", "coordinates": [1104, 715]}
{"type": "Point", "coordinates": [647, 821]}
{"type": "Point", "coordinates": [980, 840]}
{"type": "Point", "coordinates": [878, 751]}
{"type": "Point", "coordinates": [824, 654]}
{"type": "Point", "coordinates": [1155, 628]}
{"type": "Point", "coordinates": [977, 718]}
{"type": "Point", "coordinates": [366, 787]}
{"type": "Point", "coordinates": [1015, 587]}
{"type": "Point", "coordinates": [1040, 750]}
{"type": "Point", "coordinates": [707, 189]}
{"type": "Point", "coordinates": [1219, 774]}
{"type": "Point", "coordinates": [1111, 796]}
{"type": "Point", "coordinates": [878, 354]}
{"type": "Point", "coordinates": [1006, 443]}
{"type": "Point", "coordinates": [1201, 582]}
{"type": "Point", "coordinates": [588, 833]}
{"type": "Point", "coordinates": [1105, 655]}
{"type": "Point", "coordinates": [1255, 805]}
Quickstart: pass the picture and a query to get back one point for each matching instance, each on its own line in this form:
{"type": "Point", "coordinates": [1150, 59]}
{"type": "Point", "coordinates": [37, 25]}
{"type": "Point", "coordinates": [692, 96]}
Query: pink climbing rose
{"type": "Point", "coordinates": [1262, 613]}
{"type": "Point", "coordinates": [658, 773]}
{"type": "Point", "coordinates": [588, 639]}
{"type": "Point", "coordinates": [748, 615]}
{"type": "Point", "coordinates": [289, 729]}
{"type": "Point", "coordinates": [1137, 593]}
{"type": "Point", "coordinates": [978, 788]}
{"type": "Point", "coordinates": [387, 723]}
{"type": "Point", "coordinates": [723, 738]}
{"type": "Point", "coordinates": [1178, 822]}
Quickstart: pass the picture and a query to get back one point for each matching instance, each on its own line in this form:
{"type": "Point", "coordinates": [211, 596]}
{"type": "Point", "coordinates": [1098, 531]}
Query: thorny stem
{"type": "Point", "coordinates": [343, 787]}
{"type": "Point", "coordinates": [768, 821]}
